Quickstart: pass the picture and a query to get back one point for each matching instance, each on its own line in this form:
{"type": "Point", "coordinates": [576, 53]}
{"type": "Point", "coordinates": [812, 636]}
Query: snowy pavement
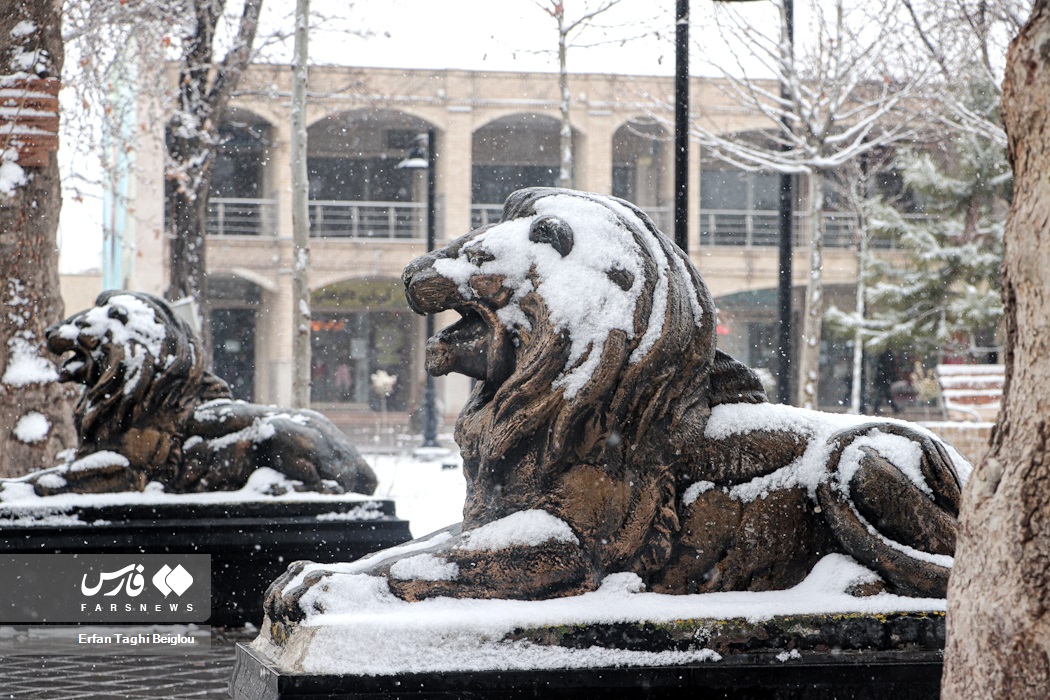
{"type": "Point", "coordinates": [427, 486]}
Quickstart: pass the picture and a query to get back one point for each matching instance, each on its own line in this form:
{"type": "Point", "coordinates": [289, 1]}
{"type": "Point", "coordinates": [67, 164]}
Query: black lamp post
{"type": "Point", "coordinates": [422, 157]}
{"type": "Point", "coordinates": [785, 249]}
{"type": "Point", "coordinates": [681, 126]}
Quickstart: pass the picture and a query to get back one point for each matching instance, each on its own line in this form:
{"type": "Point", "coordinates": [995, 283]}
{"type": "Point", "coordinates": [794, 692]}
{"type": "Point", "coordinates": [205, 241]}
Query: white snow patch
{"type": "Point", "coordinates": [141, 325]}
{"type": "Point", "coordinates": [25, 365]}
{"type": "Point", "coordinates": [51, 481]}
{"type": "Point", "coordinates": [365, 511]}
{"type": "Point", "coordinates": [695, 491]}
{"type": "Point", "coordinates": [527, 528]}
{"type": "Point", "coordinates": [786, 656]}
{"type": "Point", "coordinates": [98, 460]}
{"type": "Point", "coordinates": [32, 427]}
{"type": "Point", "coordinates": [261, 429]}
{"type": "Point", "coordinates": [905, 454]}
{"type": "Point", "coordinates": [368, 631]}
{"type": "Point", "coordinates": [23, 28]}
{"type": "Point", "coordinates": [12, 175]}
{"type": "Point", "coordinates": [811, 469]}
{"type": "Point", "coordinates": [424, 567]}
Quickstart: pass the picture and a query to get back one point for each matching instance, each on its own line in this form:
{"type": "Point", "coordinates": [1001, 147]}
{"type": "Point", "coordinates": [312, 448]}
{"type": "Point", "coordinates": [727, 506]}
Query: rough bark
{"type": "Point", "coordinates": [813, 320]}
{"type": "Point", "coordinates": [29, 296]}
{"type": "Point", "coordinates": [205, 88]}
{"type": "Point", "coordinates": [300, 214]}
{"type": "Point", "coordinates": [565, 130]}
{"type": "Point", "coordinates": [999, 598]}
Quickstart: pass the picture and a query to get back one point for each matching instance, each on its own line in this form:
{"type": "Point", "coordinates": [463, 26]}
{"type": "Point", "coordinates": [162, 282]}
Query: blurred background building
{"type": "Point", "coordinates": [494, 133]}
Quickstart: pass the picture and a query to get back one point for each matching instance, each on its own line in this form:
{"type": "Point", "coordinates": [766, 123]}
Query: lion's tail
{"type": "Point", "coordinates": [894, 516]}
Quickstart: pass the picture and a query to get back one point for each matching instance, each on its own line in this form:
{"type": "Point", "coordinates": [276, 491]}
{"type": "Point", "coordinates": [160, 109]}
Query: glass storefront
{"type": "Point", "coordinates": [360, 328]}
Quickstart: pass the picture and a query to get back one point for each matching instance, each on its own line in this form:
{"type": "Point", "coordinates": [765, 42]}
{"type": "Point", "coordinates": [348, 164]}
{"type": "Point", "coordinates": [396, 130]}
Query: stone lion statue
{"type": "Point", "coordinates": [151, 412]}
{"type": "Point", "coordinates": [606, 433]}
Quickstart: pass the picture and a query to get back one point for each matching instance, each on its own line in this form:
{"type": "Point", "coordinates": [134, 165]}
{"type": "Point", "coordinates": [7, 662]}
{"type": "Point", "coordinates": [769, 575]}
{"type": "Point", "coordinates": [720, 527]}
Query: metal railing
{"type": "Point", "coordinates": [761, 228]}
{"type": "Point", "coordinates": [407, 221]}
{"type": "Point", "coordinates": [228, 216]}
{"type": "Point", "coordinates": [728, 227]}
{"type": "Point", "coordinates": [384, 220]}
{"type": "Point", "coordinates": [485, 214]}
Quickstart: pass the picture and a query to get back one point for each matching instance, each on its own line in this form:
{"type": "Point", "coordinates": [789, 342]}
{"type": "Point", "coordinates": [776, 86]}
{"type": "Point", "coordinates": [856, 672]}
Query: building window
{"type": "Point", "coordinates": [358, 179]}
{"type": "Point", "coordinates": [739, 208]}
{"type": "Point", "coordinates": [348, 348]}
{"type": "Point", "coordinates": [492, 184]}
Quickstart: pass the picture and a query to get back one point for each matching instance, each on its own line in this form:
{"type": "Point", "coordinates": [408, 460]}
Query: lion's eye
{"type": "Point", "coordinates": [119, 313]}
{"type": "Point", "coordinates": [554, 232]}
{"type": "Point", "coordinates": [477, 256]}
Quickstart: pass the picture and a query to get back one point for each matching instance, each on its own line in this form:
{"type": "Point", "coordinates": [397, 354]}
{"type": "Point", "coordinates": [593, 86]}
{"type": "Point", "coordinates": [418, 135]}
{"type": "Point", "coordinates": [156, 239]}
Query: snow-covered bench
{"type": "Point", "coordinates": [971, 392]}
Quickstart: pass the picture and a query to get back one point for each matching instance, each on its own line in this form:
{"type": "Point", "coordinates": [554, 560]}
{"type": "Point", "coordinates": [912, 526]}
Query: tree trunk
{"type": "Point", "coordinates": [36, 419]}
{"type": "Point", "coordinates": [187, 209]}
{"type": "Point", "coordinates": [813, 320]}
{"type": "Point", "coordinates": [301, 214]}
{"type": "Point", "coordinates": [205, 88]}
{"type": "Point", "coordinates": [565, 171]}
{"type": "Point", "coordinates": [999, 594]}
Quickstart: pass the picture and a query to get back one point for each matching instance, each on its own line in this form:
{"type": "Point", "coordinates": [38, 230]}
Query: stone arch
{"type": "Point", "coordinates": [240, 161]}
{"type": "Point", "coordinates": [510, 152]}
{"type": "Point", "coordinates": [243, 185]}
{"type": "Point", "coordinates": [353, 155]}
{"type": "Point", "coordinates": [642, 171]}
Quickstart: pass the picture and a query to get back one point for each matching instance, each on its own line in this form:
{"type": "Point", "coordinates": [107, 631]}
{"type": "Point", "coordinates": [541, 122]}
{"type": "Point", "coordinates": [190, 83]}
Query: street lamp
{"type": "Point", "coordinates": [421, 157]}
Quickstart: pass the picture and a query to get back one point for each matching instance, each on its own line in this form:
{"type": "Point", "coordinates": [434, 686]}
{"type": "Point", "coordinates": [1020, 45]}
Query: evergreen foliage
{"type": "Point", "coordinates": [949, 223]}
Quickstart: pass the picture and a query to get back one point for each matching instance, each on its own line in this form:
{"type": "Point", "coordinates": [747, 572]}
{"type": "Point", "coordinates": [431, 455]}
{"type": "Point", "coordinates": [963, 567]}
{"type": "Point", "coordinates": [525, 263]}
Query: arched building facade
{"type": "Point", "coordinates": [494, 132]}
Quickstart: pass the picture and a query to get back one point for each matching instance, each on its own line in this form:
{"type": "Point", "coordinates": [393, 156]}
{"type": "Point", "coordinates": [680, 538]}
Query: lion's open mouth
{"type": "Point", "coordinates": [478, 345]}
{"type": "Point", "coordinates": [76, 367]}
{"type": "Point", "coordinates": [466, 346]}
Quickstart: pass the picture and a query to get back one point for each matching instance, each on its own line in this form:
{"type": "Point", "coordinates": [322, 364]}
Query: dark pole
{"type": "Point", "coordinates": [786, 247]}
{"type": "Point", "coordinates": [681, 126]}
{"type": "Point", "coordinates": [429, 392]}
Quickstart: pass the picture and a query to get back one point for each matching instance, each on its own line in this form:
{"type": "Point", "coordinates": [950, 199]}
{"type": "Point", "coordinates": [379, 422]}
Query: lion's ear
{"type": "Point", "coordinates": [554, 232]}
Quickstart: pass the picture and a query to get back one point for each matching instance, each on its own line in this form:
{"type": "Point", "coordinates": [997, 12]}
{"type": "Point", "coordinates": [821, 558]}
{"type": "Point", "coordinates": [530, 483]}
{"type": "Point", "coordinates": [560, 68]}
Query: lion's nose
{"type": "Point", "coordinates": [427, 291]}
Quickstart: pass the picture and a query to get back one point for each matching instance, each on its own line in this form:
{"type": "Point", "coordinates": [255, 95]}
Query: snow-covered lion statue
{"type": "Point", "coordinates": [606, 433]}
{"type": "Point", "coordinates": [151, 412]}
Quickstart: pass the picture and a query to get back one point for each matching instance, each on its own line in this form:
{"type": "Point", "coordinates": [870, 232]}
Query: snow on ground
{"type": "Point", "coordinates": [427, 486]}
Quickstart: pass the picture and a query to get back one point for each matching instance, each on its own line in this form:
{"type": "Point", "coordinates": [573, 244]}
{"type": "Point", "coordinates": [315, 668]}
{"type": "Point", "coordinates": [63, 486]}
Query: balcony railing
{"type": "Point", "coordinates": [382, 220]}
{"type": "Point", "coordinates": [485, 214]}
{"type": "Point", "coordinates": [761, 228]}
{"type": "Point", "coordinates": [241, 217]}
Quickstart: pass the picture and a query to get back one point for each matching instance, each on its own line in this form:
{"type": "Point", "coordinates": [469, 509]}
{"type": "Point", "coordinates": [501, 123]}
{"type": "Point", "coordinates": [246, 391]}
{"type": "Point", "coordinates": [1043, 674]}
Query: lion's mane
{"type": "Point", "coordinates": [628, 394]}
{"type": "Point", "coordinates": [149, 377]}
{"type": "Point", "coordinates": [628, 401]}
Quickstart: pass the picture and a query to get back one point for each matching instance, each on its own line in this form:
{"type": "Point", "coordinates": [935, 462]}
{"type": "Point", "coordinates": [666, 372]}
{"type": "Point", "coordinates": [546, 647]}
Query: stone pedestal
{"type": "Point", "coordinates": [811, 657]}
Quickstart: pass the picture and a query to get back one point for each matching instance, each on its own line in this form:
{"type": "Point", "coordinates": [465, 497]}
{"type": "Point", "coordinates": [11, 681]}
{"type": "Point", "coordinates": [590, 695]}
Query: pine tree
{"type": "Point", "coordinates": [947, 288]}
